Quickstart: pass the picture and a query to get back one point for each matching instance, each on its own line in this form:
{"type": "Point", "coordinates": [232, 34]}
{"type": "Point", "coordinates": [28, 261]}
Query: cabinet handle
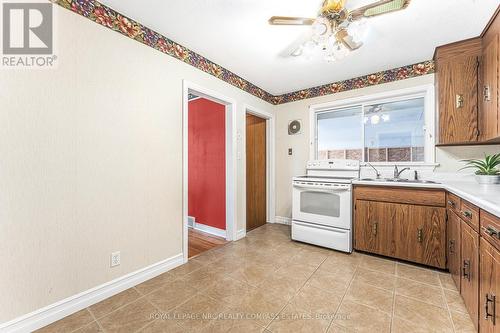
{"type": "Point", "coordinates": [467, 214]}
{"type": "Point", "coordinates": [486, 93]}
{"type": "Point", "coordinates": [487, 313]}
{"type": "Point", "coordinates": [375, 228]}
{"type": "Point", "coordinates": [492, 232]}
{"type": "Point", "coordinates": [466, 270]}
{"type": "Point", "coordinates": [452, 204]}
{"type": "Point", "coordinates": [452, 247]}
{"type": "Point", "coordinates": [459, 101]}
{"type": "Point", "coordinates": [420, 236]}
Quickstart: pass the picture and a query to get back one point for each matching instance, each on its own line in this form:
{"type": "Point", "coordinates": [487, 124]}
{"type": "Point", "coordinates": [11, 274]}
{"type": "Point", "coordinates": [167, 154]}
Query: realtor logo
{"type": "Point", "coordinates": [27, 34]}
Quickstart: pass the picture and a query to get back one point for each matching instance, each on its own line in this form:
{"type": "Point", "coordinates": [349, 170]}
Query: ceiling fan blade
{"type": "Point", "coordinates": [285, 20]}
{"type": "Point", "coordinates": [294, 49]}
{"type": "Point", "coordinates": [347, 40]}
{"type": "Point", "coordinates": [379, 8]}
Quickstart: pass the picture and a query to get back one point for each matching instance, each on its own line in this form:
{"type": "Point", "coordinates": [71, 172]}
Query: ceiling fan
{"type": "Point", "coordinates": [337, 30]}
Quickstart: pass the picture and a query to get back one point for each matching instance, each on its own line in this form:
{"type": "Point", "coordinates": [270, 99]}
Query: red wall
{"type": "Point", "coordinates": [207, 162]}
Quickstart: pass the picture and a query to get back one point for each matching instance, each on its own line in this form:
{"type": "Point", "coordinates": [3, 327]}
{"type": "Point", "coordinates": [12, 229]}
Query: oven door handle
{"type": "Point", "coordinates": [317, 226]}
{"type": "Point", "coordinates": [321, 189]}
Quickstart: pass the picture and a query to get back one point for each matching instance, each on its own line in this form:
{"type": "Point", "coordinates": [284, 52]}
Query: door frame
{"type": "Point", "coordinates": [270, 161]}
{"type": "Point", "coordinates": [231, 145]}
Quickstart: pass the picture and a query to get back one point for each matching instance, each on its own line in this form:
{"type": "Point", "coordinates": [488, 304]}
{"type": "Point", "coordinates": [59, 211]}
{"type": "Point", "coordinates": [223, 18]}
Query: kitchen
{"type": "Point", "coordinates": [357, 168]}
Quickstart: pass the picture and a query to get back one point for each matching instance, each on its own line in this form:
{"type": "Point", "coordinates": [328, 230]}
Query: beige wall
{"type": "Point", "coordinates": [91, 162]}
{"type": "Point", "coordinates": [289, 166]}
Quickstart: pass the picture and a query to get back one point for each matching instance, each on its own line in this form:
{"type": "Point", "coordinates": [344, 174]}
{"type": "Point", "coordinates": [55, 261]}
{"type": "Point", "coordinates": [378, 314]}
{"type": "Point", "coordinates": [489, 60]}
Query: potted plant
{"type": "Point", "coordinates": [487, 171]}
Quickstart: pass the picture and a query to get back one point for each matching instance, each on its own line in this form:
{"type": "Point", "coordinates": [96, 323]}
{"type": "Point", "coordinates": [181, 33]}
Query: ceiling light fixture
{"type": "Point", "coordinates": [336, 30]}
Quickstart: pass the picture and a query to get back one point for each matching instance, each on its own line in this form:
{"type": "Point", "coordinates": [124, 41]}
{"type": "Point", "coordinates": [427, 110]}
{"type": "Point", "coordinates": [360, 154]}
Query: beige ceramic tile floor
{"type": "Point", "coordinates": [267, 283]}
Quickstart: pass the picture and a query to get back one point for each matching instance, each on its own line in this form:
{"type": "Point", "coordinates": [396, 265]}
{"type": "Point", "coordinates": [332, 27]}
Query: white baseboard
{"type": "Point", "coordinates": [241, 234]}
{"type": "Point", "coordinates": [191, 221]}
{"type": "Point", "coordinates": [210, 230]}
{"type": "Point", "coordinates": [283, 220]}
{"type": "Point", "coordinates": [51, 313]}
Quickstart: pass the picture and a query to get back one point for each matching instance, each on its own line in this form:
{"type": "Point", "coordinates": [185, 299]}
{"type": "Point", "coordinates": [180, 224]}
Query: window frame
{"type": "Point", "coordinates": [423, 91]}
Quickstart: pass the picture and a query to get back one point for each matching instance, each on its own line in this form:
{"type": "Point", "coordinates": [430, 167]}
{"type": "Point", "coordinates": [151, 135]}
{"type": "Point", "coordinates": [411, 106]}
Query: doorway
{"type": "Point", "coordinates": [215, 154]}
{"type": "Point", "coordinates": [256, 171]}
{"type": "Point", "coordinates": [206, 162]}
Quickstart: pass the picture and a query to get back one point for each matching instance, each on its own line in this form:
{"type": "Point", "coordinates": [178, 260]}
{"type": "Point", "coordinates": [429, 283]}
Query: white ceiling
{"type": "Point", "coordinates": [236, 35]}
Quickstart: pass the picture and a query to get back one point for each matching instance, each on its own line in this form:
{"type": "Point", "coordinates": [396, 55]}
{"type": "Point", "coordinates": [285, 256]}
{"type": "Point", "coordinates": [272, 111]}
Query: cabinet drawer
{"type": "Point", "coordinates": [453, 203]}
{"type": "Point", "coordinates": [490, 228]}
{"type": "Point", "coordinates": [470, 214]}
{"type": "Point", "coordinates": [407, 195]}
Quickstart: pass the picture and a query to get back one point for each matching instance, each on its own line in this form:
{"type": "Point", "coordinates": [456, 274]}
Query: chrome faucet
{"type": "Point", "coordinates": [376, 171]}
{"type": "Point", "coordinates": [398, 172]}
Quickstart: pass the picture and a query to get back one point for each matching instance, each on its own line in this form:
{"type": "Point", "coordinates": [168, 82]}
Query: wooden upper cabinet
{"type": "Point", "coordinates": [489, 85]}
{"type": "Point", "coordinates": [457, 91]}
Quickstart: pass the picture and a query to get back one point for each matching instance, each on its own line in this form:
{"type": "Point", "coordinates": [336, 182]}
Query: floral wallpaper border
{"type": "Point", "coordinates": [111, 19]}
{"type": "Point", "coordinates": [391, 75]}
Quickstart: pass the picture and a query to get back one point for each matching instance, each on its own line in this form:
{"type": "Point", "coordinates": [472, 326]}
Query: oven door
{"type": "Point", "coordinates": [320, 204]}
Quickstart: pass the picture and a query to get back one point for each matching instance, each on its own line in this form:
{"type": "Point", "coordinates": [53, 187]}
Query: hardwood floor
{"type": "Point", "coordinates": [199, 242]}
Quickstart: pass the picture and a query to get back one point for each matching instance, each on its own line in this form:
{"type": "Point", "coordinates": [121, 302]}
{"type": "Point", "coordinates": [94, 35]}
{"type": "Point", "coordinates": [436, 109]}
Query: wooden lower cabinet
{"type": "Point", "coordinates": [453, 248]}
{"type": "Point", "coordinates": [470, 271]}
{"type": "Point", "coordinates": [428, 235]}
{"type": "Point", "coordinates": [489, 286]}
{"type": "Point", "coordinates": [375, 224]}
{"type": "Point", "coordinates": [420, 235]}
{"type": "Point", "coordinates": [408, 232]}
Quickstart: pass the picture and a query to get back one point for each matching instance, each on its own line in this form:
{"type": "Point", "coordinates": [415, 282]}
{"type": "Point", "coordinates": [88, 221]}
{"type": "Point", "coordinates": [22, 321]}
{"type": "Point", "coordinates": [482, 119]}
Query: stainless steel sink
{"type": "Point", "coordinates": [400, 180]}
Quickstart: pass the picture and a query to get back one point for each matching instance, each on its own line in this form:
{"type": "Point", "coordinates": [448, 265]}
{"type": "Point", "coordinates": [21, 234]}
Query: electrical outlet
{"type": "Point", "coordinates": [115, 259]}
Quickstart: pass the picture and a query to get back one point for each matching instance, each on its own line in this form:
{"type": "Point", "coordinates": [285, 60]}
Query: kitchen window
{"type": "Point", "coordinates": [379, 129]}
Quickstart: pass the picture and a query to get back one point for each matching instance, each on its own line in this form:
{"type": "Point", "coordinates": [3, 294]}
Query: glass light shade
{"type": "Point", "coordinates": [321, 29]}
{"type": "Point", "coordinates": [386, 118]}
{"type": "Point", "coordinates": [358, 30]}
{"type": "Point", "coordinates": [339, 51]}
{"type": "Point", "coordinates": [375, 119]}
{"type": "Point", "coordinates": [308, 48]}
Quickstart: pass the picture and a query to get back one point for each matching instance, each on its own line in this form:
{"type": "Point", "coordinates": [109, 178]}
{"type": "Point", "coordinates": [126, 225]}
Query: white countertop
{"type": "Point", "coordinates": [486, 197]}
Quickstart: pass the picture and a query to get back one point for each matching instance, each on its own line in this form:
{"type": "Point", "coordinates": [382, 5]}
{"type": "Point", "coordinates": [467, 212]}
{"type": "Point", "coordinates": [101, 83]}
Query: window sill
{"type": "Point", "coordinates": [406, 164]}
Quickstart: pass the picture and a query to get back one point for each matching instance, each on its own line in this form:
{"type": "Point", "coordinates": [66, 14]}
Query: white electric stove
{"type": "Point", "coordinates": [322, 204]}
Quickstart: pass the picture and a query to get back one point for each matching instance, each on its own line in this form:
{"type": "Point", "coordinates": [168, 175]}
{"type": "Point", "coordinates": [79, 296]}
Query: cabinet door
{"type": "Point", "coordinates": [454, 247]}
{"type": "Point", "coordinates": [489, 91]}
{"type": "Point", "coordinates": [425, 239]}
{"type": "Point", "coordinates": [374, 226]}
{"type": "Point", "coordinates": [489, 286]}
{"type": "Point", "coordinates": [366, 226]}
{"type": "Point", "coordinates": [470, 271]}
{"type": "Point", "coordinates": [458, 101]}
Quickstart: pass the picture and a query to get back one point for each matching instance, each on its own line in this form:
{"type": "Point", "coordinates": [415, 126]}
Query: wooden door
{"type": "Point", "coordinates": [470, 271]}
{"type": "Point", "coordinates": [458, 100]}
{"type": "Point", "coordinates": [256, 171]}
{"type": "Point", "coordinates": [454, 247]}
{"type": "Point", "coordinates": [490, 123]}
{"type": "Point", "coordinates": [374, 226]}
{"type": "Point", "coordinates": [489, 295]}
